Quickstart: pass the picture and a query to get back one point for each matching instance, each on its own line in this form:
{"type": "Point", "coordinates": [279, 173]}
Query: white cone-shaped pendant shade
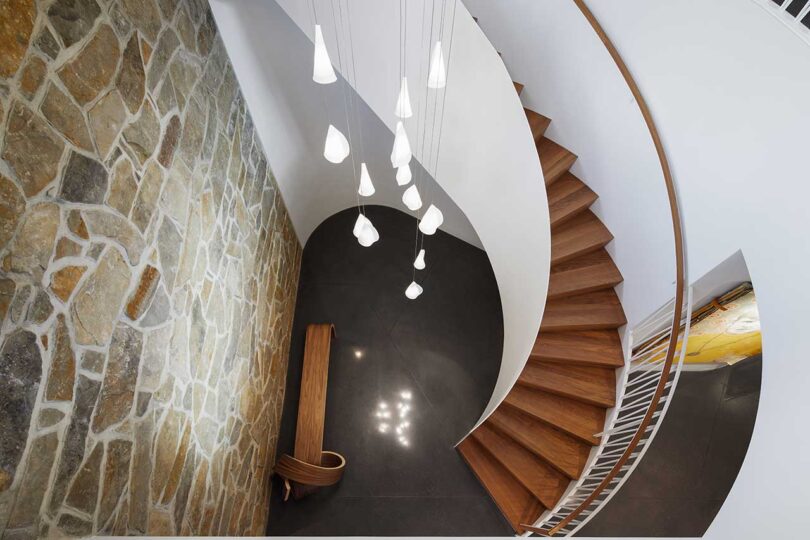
{"type": "Point", "coordinates": [404, 175]}
{"type": "Point", "coordinates": [364, 231]}
{"type": "Point", "coordinates": [322, 71]}
{"type": "Point", "coordinates": [413, 291]}
{"type": "Point", "coordinates": [368, 235]}
{"type": "Point", "coordinates": [336, 148]}
{"type": "Point", "coordinates": [358, 225]}
{"type": "Point", "coordinates": [412, 199]}
{"type": "Point", "coordinates": [419, 262]}
{"type": "Point", "coordinates": [437, 77]}
{"type": "Point", "coordinates": [404, 101]}
{"type": "Point", "coordinates": [401, 154]}
{"type": "Point", "coordinates": [366, 187]}
{"type": "Point", "coordinates": [431, 221]}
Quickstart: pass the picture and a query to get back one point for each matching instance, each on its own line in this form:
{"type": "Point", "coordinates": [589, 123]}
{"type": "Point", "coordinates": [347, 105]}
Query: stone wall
{"type": "Point", "coordinates": [148, 273]}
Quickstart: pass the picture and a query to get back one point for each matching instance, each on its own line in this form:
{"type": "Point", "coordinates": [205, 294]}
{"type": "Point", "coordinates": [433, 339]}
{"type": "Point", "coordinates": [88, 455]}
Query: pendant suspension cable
{"type": "Point", "coordinates": [401, 44]}
{"type": "Point", "coordinates": [404, 40]}
{"type": "Point", "coordinates": [314, 19]}
{"type": "Point", "coordinates": [314, 13]}
{"type": "Point", "coordinates": [419, 179]}
{"type": "Point", "coordinates": [429, 157]}
{"type": "Point", "coordinates": [429, 190]}
{"type": "Point", "coordinates": [426, 106]}
{"type": "Point", "coordinates": [353, 95]}
{"type": "Point", "coordinates": [444, 90]}
{"type": "Point", "coordinates": [420, 127]}
{"type": "Point", "coordinates": [344, 74]}
{"type": "Point", "coordinates": [436, 96]}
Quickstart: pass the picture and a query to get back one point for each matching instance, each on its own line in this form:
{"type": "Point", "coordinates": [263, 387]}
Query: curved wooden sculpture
{"type": "Point", "coordinates": [329, 472]}
{"type": "Point", "coordinates": [311, 467]}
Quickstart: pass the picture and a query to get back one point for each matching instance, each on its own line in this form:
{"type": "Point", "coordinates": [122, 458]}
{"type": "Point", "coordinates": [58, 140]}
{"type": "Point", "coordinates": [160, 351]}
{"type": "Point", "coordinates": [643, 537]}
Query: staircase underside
{"type": "Point", "coordinates": [538, 440]}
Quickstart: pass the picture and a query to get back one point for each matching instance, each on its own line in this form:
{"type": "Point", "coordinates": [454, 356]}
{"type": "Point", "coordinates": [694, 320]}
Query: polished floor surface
{"type": "Point", "coordinates": [407, 380]}
{"type": "Point", "coordinates": [684, 478]}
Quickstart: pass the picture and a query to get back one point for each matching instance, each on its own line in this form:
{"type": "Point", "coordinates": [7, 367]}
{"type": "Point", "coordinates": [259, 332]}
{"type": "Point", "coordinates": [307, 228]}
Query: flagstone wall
{"type": "Point", "coordinates": [148, 273]}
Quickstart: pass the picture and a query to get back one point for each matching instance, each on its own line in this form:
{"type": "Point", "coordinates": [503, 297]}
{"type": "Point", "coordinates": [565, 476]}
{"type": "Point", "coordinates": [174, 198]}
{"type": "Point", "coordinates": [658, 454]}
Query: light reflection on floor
{"type": "Point", "coordinates": [395, 423]}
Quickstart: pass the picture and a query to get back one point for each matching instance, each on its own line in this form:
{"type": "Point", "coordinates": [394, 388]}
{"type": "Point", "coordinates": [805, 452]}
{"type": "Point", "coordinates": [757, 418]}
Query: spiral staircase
{"type": "Point", "coordinates": [540, 437]}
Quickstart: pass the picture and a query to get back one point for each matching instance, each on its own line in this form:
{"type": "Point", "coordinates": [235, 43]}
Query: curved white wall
{"type": "Point", "coordinates": [488, 164]}
{"type": "Point", "coordinates": [272, 58]}
{"type": "Point", "coordinates": [728, 86]}
{"type": "Point", "coordinates": [569, 77]}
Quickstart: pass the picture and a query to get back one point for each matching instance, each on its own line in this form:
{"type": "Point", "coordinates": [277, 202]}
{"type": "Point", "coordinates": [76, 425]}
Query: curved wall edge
{"type": "Point", "coordinates": [272, 59]}
{"type": "Point", "coordinates": [569, 76]}
{"type": "Point", "coordinates": [488, 164]}
{"type": "Point", "coordinates": [731, 110]}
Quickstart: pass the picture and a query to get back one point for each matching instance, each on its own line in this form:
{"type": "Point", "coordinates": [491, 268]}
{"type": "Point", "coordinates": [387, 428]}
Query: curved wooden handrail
{"type": "Point", "coordinates": [679, 273]}
{"type": "Point", "coordinates": [328, 473]}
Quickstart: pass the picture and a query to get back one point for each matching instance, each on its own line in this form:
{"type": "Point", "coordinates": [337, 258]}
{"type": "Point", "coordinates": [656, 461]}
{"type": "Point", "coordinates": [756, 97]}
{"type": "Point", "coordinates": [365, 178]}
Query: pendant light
{"type": "Point", "coordinates": [404, 101]}
{"type": "Point", "coordinates": [366, 187]}
{"type": "Point", "coordinates": [419, 262]}
{"type": "Point", "coordinates": [404, 175]}
{"type": "Point", "coordinates": [401, 154]}
{"type": "Point", "coordinates": [336, 148]}
{"type": "Point", "coordinates": [364, 231]}
{"type": "Point", "coordinates": [437, 77]}
{"type": "Point", "coordinates": [431, 221]}
{"type": "Point", "coordinates": [358, 225]}
{"type": "Point", "coordinates": [413, 291]}
{"type": "Point", "coordinates": [322, 71]}
{"type": "Point", "coordinates": [412, 199]}
{"type": "Point", "coordinates": [368, 235]}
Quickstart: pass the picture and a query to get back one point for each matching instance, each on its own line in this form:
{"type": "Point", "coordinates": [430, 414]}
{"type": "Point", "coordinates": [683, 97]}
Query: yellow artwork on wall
{"type": "Point", "coordinates": [727, 334]}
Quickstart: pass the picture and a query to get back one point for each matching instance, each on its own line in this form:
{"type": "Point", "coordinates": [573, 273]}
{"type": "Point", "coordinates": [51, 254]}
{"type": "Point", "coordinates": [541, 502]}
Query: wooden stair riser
{"type": "Point", "coordinates": [567, 198]}
{"type": "Point", "coordinates": [516, 503]}
{"type": "Point", "coordinates": [554, 159]}
{"type": "Point", "coordinates": [575, 418]}
{"type": "Point", "coordinates": [600, 310]}
{"type": "Point", "coordinates": [581, 235]}
{"type": "Point", "coordinates": [543, 481]}
{"type": "Point", "coordinates": [591, 385]}
{"type": "Point", "coordinates": [589, 348]}
{"type": "Point", "coordinates": [537, 123]}
{"type": "Point", "coordinates": [540, 437]}
{"type": "Point", "coordinates": [591, 272]}
{"type": "Point", "coordinates": [562, 452]}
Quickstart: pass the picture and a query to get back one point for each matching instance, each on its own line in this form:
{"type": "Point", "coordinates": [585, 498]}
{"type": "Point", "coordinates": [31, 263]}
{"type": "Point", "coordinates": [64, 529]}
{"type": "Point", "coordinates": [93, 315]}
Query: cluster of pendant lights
{"type": "Point", "coordinates": [337, 148]}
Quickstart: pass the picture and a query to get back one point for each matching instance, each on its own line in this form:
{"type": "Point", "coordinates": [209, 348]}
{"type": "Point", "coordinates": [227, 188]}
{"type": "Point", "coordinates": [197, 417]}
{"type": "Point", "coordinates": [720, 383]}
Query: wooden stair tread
{"type": "Point", "coordinates": [554, 159]}
{"type": "Point", "coordinates": [600, 310]}
{"type": "Point", "coordinates": [568, 197]}
{"type": "Point", "coordinates": [537, 122]}
{"type": "Point", "coordinates": [573, 417]}
{"type": "Point", "coordinates": [544, 482]}
{"type": "Point", "coordinates": [581, 234]}
{"type": "Point", "coordinates": [591, 348]}
{"type": "Point", "coordinates": [593, 385]}
{"type": "Point", "coordinates": [516, 503]}
{"type": "Point", "coordinates": [562, 452]}
{"type": "Point", "coordinates": [542, 434]}
{"type": "Point", "coordinates": [590, 272]}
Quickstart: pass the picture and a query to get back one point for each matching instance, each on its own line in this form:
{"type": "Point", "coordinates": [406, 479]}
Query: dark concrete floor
{"type": "Point", "coordinates": [443, 348]}
{"type": "Point", "coordinates": [684, 478]}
